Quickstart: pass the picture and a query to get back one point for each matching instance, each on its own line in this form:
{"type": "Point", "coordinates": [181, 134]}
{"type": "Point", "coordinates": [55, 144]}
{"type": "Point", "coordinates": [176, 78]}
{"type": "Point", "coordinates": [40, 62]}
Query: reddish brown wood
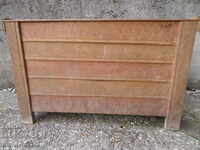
{"type": "Point", "coordinates": [98, 88]}
{"type": "Point", "coordinates": [19, 70]}
{"type": "Point", "coordinates": [183, 56]}
{"type": "Point", "coordinates": [107, 31]}
{"type": "Point", "coordinates": [105, 105]}
{"type": "Point", "coordinates": [101, 70]}
{"type": "Point", "coordinates": [120, 52]}
{"type": "Point", "coordinates": [105, 66]}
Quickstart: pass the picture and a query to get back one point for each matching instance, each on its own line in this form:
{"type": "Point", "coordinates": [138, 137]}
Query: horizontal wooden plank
{"type": "Point", "coordinates": [95, 78]}
{"type": "Point", "coordinates": [106, 96]}
{"type": "Point", "coordinates": [98, 60]}
{"type": "Point", "coordinates": [85, 41]}
{"type": "Point", "coordinates": [122, 31]}
{"type": "Point", "coordinates": [99, 51]}
{"type": "Point", "coordinates": [98, 88]}
{"type": "Point", "coordinates": [103, 70]}
{"type": "Point", "coordinates": [103, 105]}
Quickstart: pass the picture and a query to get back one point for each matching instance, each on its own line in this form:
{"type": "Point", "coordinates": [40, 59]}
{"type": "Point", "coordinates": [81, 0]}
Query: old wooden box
{"type": "Point", "coordinates": [136, 67]}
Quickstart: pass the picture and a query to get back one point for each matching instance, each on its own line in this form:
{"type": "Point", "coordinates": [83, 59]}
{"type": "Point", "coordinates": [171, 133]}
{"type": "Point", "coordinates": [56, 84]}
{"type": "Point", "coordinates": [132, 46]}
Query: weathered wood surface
{"type": "Point", "coordinates": [111, 67]}
{"type": "Point", "coordinates": [106, 31]}
{"type": "Point", "coordinates": [101, 51]}
{"type": "Point", "coordinates": [186, 38]}
{"type": "Point", "coordinates": [198, 27]}
{"type": "Point", "coordinates": [19, 70]}
{"type": "Point", "coordinates": [98, 88]}
{"type": "Point", "coordinates": [100, 70]}
{"type": "Point", "coordinates": [103, 105]}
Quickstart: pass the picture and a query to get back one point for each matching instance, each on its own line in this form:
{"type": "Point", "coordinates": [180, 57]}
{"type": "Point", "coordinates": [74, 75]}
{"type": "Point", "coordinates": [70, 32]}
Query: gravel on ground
{"type": "Point", "coordinates": [57, 131]}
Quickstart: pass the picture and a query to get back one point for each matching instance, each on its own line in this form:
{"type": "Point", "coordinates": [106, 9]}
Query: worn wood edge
{"type": "Point", "coordinates": [198, 27]}
{"type": "Point", "coordinates": [97, 60]}
{"type": "Point", "coordinates": [173, 77]}
{"type": "Point", "coordinates": [18, 59]}
{"type": "Point", "coordinates": [170, 122]}
{"type": "Point", "coordinates": [103, 20]}
{"type": "Point", "coordinates": [93, 78]}
{"type": "Point", "coordinates": [26, 85]}
{"type": "Point", "coordinates": [60, 104]}
{"type": "Point", "coordinates": [105, 96]}
{"type": "Point", "coordinates": [103, 41]}
{"type": "Point", "coordinates": [198, 24]}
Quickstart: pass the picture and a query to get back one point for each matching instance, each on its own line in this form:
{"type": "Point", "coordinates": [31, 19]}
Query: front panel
{"type": "Point", "coordinates": [110, 63]}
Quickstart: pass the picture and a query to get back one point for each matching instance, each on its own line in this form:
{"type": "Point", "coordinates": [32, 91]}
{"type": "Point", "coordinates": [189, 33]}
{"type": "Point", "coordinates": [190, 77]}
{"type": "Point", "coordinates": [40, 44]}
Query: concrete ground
{"type": "Point", "coordinates": [97, 132]}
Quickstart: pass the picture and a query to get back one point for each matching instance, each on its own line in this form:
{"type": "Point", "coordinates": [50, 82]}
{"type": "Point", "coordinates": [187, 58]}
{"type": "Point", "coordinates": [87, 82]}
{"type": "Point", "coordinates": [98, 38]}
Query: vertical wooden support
{"type": "Point", "coordinates": [183, 56]}
{"type": "Point", "coordinates": [198, 27]}
{"type": "Point", "coordinates": [19, 70]}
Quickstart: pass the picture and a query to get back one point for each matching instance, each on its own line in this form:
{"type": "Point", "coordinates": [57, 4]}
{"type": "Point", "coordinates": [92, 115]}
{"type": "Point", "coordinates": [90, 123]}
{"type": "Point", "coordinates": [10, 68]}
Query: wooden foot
{"type": "Point", "coordinates": [28, 119]}
{"type": "Point", "coordinates": [172, 124]}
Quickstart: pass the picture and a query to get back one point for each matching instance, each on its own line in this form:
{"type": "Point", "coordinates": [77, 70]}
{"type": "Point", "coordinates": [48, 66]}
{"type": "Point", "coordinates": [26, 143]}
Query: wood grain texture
{"type": "Point", "coordinates": [183, 56]}
{"type": "Point", "coordinates": [104, 66]}
{"type": "Point", "coordinates": [107, 31]}
{"type": "Point", "coordinates": [198, 27]}
{"type": "Point", "coordinates": [98, 88]}
{"type": "Point", "coordinates": [19, 70]}
{"type": "Point", "coordinates": [103, 105]}
{"type": "Point", "coordinates": [97, 60]}
{"type": "Point", "coordinates": [100, 70]}
{"type": "Point", "coordinates": [156, 43]}
{"type": "Point", "coordinates": [99, 51]}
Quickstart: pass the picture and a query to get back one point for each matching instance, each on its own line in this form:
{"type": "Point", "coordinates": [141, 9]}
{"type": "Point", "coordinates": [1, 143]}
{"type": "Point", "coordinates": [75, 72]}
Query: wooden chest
{"type": "Point", "coordinates": [136, 67]}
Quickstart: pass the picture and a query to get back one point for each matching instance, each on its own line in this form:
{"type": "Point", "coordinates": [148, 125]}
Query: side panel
{"type": "Point", "coordinates": [183, 55]}
{"type": "Point", "coordinates": [19, 70]}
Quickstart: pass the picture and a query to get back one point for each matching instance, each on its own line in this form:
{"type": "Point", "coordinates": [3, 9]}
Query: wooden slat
{"type": "Point", "coordinates": [106, 70]}
{"type": "Point", "coordinates": [99, 51]}
{"type": "Point", "coordinates": [14, 40]}
{"type": "Point", "coordinates": [105, 105]}
{"type": "Point", "coordinates": [184, 52]}
{"type": "Point", "coordinates": [101, 42]}
{"type": "Point", "coordinates": [103, 96]}
{"type": "Point", "coordinates": [95, 78]}
{"type": "Point", "coordinates": [107, 31]}
{"type": "Point", "coordinates": [98, 88]}
{"type": "Point", "coordinates": [98, 60]}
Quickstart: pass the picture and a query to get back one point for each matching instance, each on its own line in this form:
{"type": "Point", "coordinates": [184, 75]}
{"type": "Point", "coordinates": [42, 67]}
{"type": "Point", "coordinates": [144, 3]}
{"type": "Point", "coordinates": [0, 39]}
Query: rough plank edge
{"type": "Point", "coordinates": [93, 78]}
{"type": "Point", "coordinates": [103, 96]}
{"type": "Point", "coordinates": [103, 41]}
{"type": "Point", "coordinates": [97, 60]}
